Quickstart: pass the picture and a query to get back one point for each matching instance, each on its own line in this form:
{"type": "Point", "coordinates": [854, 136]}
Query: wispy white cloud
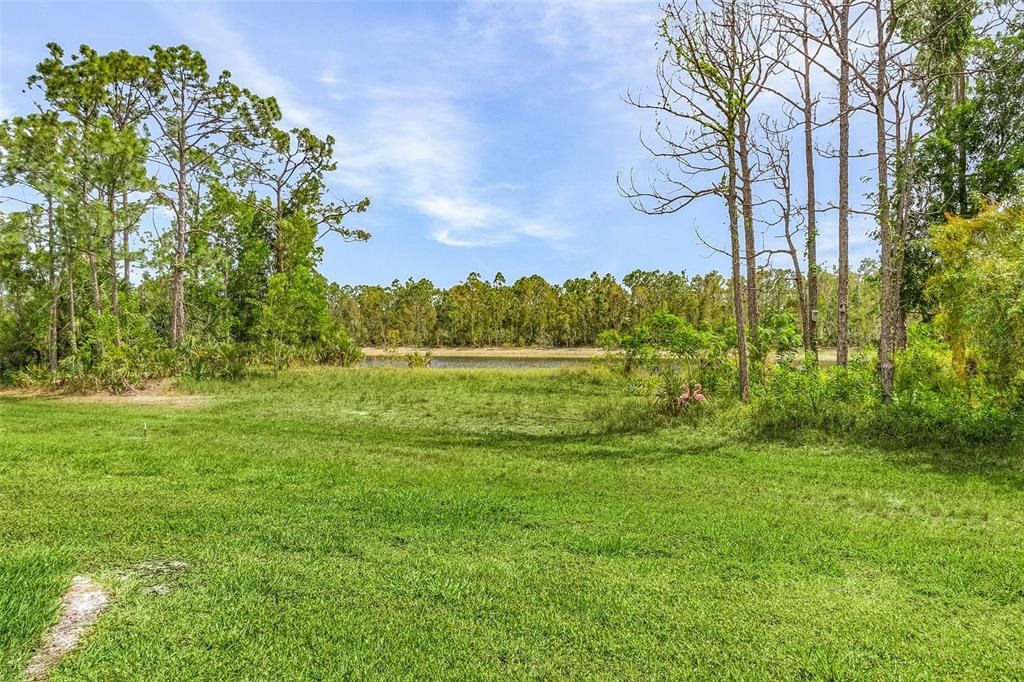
{"type": "Point", "coordinates": [328, 77]}
{"type": "Point", "coordinates": [464, 222]}
{"type": "Point", "coordinates": [420, 147]}
{"type": "Point", "coordinates": [410, 138]}
{"type": "Point", "coordinates": [415, 135]}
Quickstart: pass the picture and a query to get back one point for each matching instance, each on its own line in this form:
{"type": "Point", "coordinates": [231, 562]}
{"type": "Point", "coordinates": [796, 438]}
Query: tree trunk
{"type": "Point", "coordinates": [279, 248]}
{"type": "Point", "coordinates": [886, 342]}
{"type": "Point", "coordinates": [125, 239]}
{"type": "Point", "coordinates": [748, 226]}
{"type": "Point", "coordinates": [115, 306]}
{"type": "Point", "coordinates": [178, 266]}
{"type": "Point", "coordinates": [801, 296]}
{"type": "Point", "coordinates": [904, 176]}
{"type": "Point", "coordinates": [842, 319]}
{"type": "Point", "coordinates": [737, 297]}
{"type": "Point", "coordinates": [94, 278]}
{"type": "Point", "coordinates": [811, 323]}
{"type": "Point", "coordinates": [90, 251]}
{"type": "Point", "coordinates": [54, 293]}
{"type": "Point", "coordinates": [72, 317]}
{"type": "Point", "coordinates": [961, 94]}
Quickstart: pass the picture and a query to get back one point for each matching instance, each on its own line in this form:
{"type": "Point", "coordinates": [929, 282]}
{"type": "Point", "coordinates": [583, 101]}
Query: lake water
{"type": "Point", "coordinates": [483, 362]}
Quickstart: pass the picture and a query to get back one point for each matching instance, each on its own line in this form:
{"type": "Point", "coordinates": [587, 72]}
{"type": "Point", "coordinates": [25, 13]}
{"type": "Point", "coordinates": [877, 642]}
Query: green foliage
{"type": "Point", "coordinates": [665, 337]}
{"type": "Point", "coordinates": [533, 311]}
{"type": "Point", "coordinates": [120, 354]}
{"type": "Point", "coordinates": [778, 338]}
{"type": "Point", "coordinates": [677, 368]}
{"type": "Point", "coordinates": [335, 347]}
{"type": "Point", "coordinates": [417, 360]}
{"type": "Point", "coordinates": [979, 285]}
{"type": "Point", "coordinates": [926, 366]}
{"type": "Point", "coordinates": [216, 360]}
{"type": "Point", "coordinates": [929, 405]}
{"type": "Point", "coordinates": [791, 399]}
{"type": "Point", "coordinates": [247, 203]}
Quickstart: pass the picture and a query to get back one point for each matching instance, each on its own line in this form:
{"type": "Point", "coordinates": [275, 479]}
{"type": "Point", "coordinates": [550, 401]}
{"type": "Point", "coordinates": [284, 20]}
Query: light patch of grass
{"type": "Point", "coordinates": [423, 524]}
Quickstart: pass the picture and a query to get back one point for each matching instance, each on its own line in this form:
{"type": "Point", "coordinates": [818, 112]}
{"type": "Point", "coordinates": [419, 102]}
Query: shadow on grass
{"type": "Point", "coordinates": [1002, 464]}
{"type": "Point", "coordinates": [998, 463]}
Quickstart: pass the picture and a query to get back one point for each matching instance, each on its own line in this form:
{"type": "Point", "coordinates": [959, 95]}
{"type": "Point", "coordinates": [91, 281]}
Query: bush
{"type": "Point", "coordinates": [927, 408]}
{"type": "Point", "coordinates": [116, 354]}
{"type": "Point", "coordinates": [675, 366]}
{"type": "Point", "coordinates": [418, 360]}
{"type": "Point", "coordinates": [664, 340]}
{"type": "Point", "coordinates": [217, 360]}
{"type": "Point", "coordinates": [793, 398]}
{"type": "Point", "coordinates": [338, 348]}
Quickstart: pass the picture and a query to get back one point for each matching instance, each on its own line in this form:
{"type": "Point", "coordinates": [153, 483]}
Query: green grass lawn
{"type": "Point", "coordinates": [403, 524]}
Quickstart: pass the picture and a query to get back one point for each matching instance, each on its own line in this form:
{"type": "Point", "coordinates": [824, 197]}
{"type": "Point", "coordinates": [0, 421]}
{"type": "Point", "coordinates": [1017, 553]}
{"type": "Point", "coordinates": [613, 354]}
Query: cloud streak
{"type": "Point", "coordinates": [410, 137]}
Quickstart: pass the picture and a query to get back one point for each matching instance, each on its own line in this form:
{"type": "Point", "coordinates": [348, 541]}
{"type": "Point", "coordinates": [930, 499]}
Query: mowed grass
{"type": "Point", "coordinates": [427, 524]}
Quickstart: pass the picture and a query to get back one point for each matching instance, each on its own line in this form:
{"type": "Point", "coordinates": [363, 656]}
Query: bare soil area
{"type": "Point", "coordinates": [80, 609]}
{"type": "Point", "coordinates": [158, 393]}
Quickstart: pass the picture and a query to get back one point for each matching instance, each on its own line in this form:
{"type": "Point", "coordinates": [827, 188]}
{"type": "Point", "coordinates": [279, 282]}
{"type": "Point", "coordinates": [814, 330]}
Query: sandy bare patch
{"type": "Point", "coordinates": [159, 393]}
{"type": "Point", "coordinates": [80, 609]}
{"type": "Point", "coordinates": [143, 398]}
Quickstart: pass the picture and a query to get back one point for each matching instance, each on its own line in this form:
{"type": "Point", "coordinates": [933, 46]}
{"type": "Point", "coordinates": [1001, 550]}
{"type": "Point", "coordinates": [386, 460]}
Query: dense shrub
{"type": "Point", "coordinates": [676, 368]}
{"type": "Point", "coordinates": [106, 363]}
{"type": "Point", "coordinates": [777, 339]}
{"type": "Point", "coordinates": [217, 360]}
{"type": "Point", "coordinates": [115, 354]}
{"type": "Point", "coordinates": [417, 360]}
{"type": "Point", "coordinates": [664, 340]}
{"type": "Point", "coordinates": [929, 405]}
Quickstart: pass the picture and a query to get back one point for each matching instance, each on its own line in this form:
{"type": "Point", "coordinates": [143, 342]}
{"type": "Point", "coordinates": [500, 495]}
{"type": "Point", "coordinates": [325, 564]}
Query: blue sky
{"type": "Point", "coordinates": [487, 135]}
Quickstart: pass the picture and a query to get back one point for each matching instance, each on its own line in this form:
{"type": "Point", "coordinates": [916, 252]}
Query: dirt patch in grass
{"type": "Point", "coordinates": [156, 576]}
{"type": "Point", "coordinates": [80, 609]}
{"type": "Point", "coordinates": [158, 393]}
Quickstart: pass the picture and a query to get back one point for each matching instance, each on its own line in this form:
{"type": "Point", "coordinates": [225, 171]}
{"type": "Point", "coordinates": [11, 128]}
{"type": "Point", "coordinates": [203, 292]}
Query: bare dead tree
{"type": "Point", "coordinates": [807, 108]}
{"type": "Point", "coordinates": [778, 162]}
{"type": "Point", "coordinates": [698, 111]}
{"type": "Point", "coordinates": [760, 50]}
{"type": "Point", "coordinates": [842, 42]}
{"type": "Point", "coordinates": [882, 76]}
{"type": "Point", "coordinates": [818, 29]}
{"type": "Point", "coordinates": [798, 26]}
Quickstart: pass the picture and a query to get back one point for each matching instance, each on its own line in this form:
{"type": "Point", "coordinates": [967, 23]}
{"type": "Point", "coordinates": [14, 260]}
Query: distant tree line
{"type": "Point", "coordinates": [532, 311]}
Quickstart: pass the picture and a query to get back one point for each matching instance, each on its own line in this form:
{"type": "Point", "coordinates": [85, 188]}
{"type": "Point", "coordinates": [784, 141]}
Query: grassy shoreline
{"type": "Point", "coordinates": [826, 355]}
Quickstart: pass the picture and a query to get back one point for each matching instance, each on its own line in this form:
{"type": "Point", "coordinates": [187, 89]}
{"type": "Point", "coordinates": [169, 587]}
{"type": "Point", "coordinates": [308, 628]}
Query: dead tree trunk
{"type": "Point", "coordinates": [843, 303]}
{"type": "Point", "coordinates": [749, 240]}
{"type": "Point", "coordinates": [886, 341]}
{"type": "Point", "coordinates": [811, 321]}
